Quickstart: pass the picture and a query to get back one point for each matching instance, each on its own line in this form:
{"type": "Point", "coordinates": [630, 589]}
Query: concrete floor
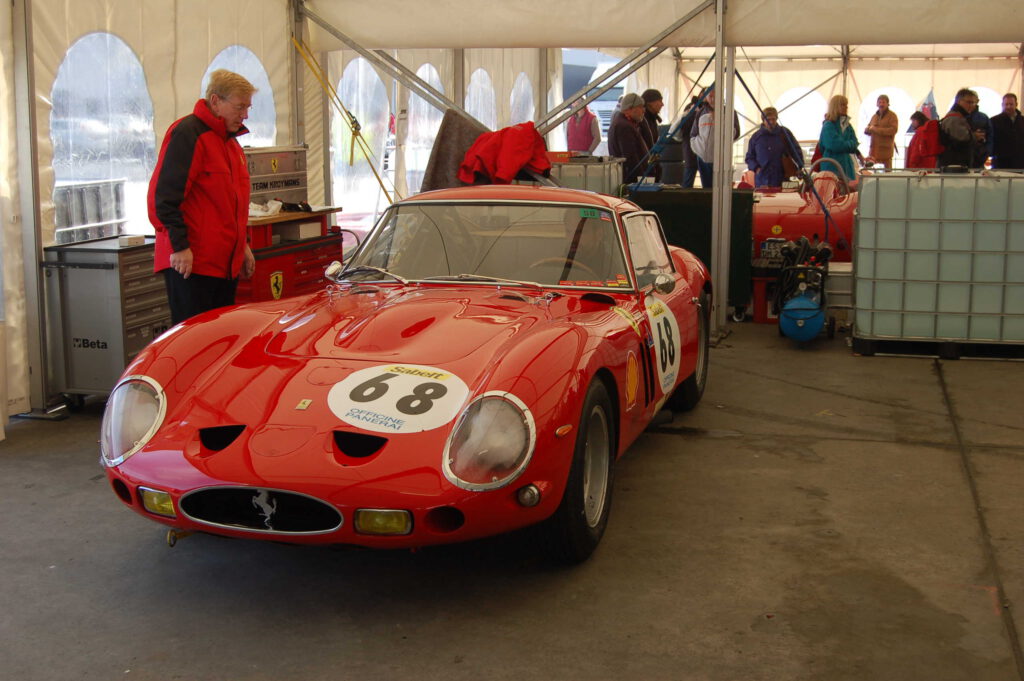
{"type": "Point", "coordinates": [819, 516]}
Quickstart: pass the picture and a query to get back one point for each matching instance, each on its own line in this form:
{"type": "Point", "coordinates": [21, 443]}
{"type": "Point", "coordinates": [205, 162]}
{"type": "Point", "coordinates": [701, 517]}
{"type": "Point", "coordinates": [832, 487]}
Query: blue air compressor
{"type": "Point", "coordinates": [800, 294]}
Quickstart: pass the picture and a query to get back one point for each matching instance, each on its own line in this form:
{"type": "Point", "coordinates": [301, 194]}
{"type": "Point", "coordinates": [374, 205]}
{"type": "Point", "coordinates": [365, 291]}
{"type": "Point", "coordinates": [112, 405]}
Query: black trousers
{"type": "Point", "coordinates": [198, 293]}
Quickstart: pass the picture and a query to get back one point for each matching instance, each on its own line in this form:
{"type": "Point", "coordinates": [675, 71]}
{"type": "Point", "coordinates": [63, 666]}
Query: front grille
{"type": "Point", "coordinates": [257, 509]}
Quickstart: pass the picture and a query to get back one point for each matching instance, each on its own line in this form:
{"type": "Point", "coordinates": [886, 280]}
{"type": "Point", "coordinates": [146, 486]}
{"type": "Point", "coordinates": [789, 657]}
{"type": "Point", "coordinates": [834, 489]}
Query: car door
{"type": "Point", "coordinates": [669, 313]}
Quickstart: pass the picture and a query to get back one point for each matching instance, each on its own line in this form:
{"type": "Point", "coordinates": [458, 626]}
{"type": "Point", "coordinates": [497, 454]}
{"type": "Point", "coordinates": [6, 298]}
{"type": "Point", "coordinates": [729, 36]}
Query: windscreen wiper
{"type": "Point", "coordinates": [480, 277]}
{"type": "Point", "coordinates": [371, 268]}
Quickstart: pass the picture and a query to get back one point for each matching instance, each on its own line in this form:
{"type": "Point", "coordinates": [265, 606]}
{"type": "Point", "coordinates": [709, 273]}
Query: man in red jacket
{"type": "Point", "coordinates": [199, 200]}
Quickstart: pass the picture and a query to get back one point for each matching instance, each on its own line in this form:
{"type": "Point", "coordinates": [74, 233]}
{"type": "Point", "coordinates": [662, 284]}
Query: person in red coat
{"type": "Point", "coordinates": [924, 147]}
{"type": "Point", "coordinates": [199, 200]}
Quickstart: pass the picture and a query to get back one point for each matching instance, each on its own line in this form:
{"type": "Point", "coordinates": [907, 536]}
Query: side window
{"type": "Point", "coordinates": [262, 121]}
{"type": "Point", "coordinates": [104, 149]}
{"type": "Point", "coordinates": [647, 248]}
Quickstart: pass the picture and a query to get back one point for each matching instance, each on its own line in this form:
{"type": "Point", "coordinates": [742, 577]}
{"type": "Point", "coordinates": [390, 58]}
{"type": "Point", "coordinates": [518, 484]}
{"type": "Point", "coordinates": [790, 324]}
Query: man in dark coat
{"type": "Point", "coordinates": [1008, 135]}
{"type": "Point", "coordinates": [653, 104]}
{"type": "Point", "coordinates": [625, 139]}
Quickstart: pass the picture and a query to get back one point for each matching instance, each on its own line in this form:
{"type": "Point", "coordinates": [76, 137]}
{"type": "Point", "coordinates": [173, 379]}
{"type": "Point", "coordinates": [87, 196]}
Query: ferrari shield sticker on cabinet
{"type": "Point", "coordinates": [398, 398]}
{"type": "Point", "coordinates": [666, 342]}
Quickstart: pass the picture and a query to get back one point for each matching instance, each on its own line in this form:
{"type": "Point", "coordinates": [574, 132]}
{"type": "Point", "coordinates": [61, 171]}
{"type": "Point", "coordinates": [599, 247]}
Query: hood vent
{"type": "Point", "coordinates": [219, 437]}
{"type": "Point", "coordinates": [358, 445]}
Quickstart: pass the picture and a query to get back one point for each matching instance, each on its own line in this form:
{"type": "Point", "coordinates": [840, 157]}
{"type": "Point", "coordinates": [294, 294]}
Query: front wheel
{"type": "Point", "coordinates": [576, 528]}
{"type": "Point", "coordinates": [689, 392]}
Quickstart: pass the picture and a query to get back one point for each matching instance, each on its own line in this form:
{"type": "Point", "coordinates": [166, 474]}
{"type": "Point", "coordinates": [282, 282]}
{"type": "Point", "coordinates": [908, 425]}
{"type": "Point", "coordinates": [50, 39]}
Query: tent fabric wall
{"type": "Point", "coordinates": [174, 42]}
{"type": "Point", "coordinates": [607, 23]}
{"type": "Point", "coordinates": [13, 360]}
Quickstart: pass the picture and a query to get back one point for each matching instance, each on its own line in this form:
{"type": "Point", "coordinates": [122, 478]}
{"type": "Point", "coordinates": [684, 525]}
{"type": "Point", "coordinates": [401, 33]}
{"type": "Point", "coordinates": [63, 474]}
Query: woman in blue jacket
{"type": "Point", "coordinates": [838, 139]}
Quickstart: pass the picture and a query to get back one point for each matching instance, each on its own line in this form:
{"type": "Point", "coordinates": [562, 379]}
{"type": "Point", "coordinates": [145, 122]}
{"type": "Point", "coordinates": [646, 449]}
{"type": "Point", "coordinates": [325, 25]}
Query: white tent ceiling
{"type": "Point", "coordinates": [612, 23]}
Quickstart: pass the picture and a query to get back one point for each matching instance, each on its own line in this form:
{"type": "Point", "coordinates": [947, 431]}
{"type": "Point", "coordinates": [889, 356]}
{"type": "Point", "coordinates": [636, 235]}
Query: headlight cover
{"type": "Point", "coordinates": [491, 444]}
{"type": "Point", "coordinates": [135, 409]}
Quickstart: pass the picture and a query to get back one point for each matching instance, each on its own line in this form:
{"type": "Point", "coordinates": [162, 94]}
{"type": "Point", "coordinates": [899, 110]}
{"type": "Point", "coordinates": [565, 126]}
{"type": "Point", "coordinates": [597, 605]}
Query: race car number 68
{"type": "Point", "coordinates": [398, 398]}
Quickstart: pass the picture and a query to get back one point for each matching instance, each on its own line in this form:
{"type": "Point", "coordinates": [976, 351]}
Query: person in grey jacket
{"type": "Point", "coordinates": [959, 138]}
{"type": "Point", "coordinates": [625, 139]}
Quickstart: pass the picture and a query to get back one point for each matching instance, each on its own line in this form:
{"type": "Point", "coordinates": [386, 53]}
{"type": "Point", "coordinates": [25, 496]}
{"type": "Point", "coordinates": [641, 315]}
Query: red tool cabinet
{"type": "Point", "coordinates": [294, 262]}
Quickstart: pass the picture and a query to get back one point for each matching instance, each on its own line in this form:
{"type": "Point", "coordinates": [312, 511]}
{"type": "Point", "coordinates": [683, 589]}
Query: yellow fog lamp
{"type": "Point", "coordinates": [158, 502]}
{"type": "Point", "coordinates": [383, 521]}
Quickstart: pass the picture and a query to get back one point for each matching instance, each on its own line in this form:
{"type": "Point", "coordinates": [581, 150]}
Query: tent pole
{"type": "Point", "coordinates": [559, 117]}
{"type": "Point", "coordinates": [618, 67]}
{"type": "Point", "coordinates": [298, 108]}
{"type": "Point", "coordinates": [459, 74]}
{"type": "Point", "coordinates": [846, 66]}
{"type": "Point", "coordinates": [393, 68]}
{"type": "Point", "coordinates": [43, 404]}
{"type": "Point", "coordinates": [721, 198]}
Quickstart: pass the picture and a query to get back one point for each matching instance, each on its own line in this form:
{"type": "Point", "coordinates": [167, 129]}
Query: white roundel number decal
{"type": "Point", "coordinates": [398, 398]}
{"type": "Point", "coordinates": [666, 342]}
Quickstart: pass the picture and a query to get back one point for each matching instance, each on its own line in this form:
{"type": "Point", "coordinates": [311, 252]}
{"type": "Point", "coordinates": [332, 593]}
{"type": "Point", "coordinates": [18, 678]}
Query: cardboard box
{"type": "Point", "coordinates": [297, 231]}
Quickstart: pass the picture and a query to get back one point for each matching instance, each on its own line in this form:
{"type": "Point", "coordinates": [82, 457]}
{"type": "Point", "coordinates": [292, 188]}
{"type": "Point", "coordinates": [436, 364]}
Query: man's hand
{"type": "Point", "coordinates": [181, 261]}
{"type": "Point", "coordinates": [248, 263]}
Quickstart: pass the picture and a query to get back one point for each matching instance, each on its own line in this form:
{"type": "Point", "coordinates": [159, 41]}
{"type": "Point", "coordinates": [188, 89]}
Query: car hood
{"type": "Point", "coordinates": [432, 326]}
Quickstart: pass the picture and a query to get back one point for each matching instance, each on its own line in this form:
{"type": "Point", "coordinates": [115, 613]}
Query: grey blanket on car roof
{"type": "Point", "coordinates": [454, 138]}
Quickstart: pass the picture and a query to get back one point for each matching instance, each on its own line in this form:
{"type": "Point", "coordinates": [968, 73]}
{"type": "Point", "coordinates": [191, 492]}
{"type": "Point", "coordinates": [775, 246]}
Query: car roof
{"type": "Point", "coordinates": [514, 192]}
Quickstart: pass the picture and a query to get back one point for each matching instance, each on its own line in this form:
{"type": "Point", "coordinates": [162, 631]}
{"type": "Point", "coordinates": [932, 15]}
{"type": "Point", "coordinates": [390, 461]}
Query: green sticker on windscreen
{"type": "Point", "coordinates": [590, 213]}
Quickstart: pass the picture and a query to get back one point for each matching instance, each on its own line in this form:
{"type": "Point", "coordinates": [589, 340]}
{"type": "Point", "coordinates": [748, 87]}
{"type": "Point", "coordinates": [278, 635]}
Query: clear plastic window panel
{"type": "Point", "coordinates": [104, 147]}
{"type": "Point", "coordinates": [424, 121]}
{"type": "Point", "coordinates": [356, 163]}
{"type": "Point", "coordinates": [480, 101]}
{"type": "Point", "coordinates": [262, 121]}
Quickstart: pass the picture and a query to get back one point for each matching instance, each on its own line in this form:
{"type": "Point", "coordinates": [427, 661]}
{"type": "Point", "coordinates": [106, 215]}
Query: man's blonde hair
{"type": "Point", "coordinates": [224, 83]}
{"type": "Point", "coordinates": [833, 107]}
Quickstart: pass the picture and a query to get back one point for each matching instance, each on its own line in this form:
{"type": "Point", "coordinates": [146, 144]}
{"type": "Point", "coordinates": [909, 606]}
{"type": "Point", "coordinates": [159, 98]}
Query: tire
{"type": "Point", "coordinates": [576, 527]}
{"type": "Point", "coordinates": [688, 394]}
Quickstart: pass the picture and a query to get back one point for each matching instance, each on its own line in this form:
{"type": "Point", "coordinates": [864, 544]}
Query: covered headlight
{"type": "Point", "coordinates": [491, 443]}
{"type": "Point", "coordinates": [135, 409]}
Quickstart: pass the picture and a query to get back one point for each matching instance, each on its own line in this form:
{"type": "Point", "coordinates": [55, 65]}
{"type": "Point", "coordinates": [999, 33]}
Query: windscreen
{"type": "Point", "coordinates": [549, 244]}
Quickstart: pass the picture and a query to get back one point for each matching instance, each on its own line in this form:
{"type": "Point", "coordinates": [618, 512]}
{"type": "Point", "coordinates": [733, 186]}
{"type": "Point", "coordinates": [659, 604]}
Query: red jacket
{"type": "Point", "coordinates": [924, 147]}
{"type": "Point", "coordinates": [499, 156]}
{"type": "Point", "coordinates": [199, 195]}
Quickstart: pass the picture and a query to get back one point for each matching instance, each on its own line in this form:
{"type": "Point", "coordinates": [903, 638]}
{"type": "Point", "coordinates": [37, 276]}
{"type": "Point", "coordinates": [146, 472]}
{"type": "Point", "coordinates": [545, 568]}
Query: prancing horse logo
{"type": "Point", "coordinates": [266, 505]}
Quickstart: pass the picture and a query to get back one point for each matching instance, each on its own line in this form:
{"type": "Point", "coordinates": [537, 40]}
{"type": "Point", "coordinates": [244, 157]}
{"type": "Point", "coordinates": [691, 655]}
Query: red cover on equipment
{"type": "Point", "coordinates": [499, 156]}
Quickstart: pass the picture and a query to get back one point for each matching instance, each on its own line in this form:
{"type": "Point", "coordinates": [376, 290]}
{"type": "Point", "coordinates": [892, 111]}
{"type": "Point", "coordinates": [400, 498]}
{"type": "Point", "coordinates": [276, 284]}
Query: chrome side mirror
{"type": "Point", "coordinates": [664, 284]}
{"type": "Point", "coordinates": [333, 270]}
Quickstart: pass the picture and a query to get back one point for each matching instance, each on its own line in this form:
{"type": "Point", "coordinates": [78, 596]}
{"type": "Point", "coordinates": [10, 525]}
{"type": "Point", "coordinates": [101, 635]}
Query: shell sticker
{"type": "Point", "coordinates": [776, 229]}
{"type": "Point", "coordinates": [398, 398]}
{"type": "Point", "coordinates": [632, 380]}
{"type": "Point", "coordinates": [665, 339]}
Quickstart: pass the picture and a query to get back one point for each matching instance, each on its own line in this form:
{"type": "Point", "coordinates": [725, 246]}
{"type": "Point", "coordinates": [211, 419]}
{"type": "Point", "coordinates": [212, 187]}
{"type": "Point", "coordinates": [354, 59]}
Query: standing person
{"type": "Point", "coordinates": [199, 200]}
{"type": "Point", "coordinates": [923, 150]}
{"type": "Point", "coordinates": [653, 103]}
{"type": "Point", "coordinates": [980, 123]}
{"type": "Point", "coordinates": [689, 158]}
{"type": "Point", "coordinates": [702, 141]}
{"type": "Point", "coordinates": [767, 147]}
{"type": "Point", "coordinates": [583, 131]}
{"type": "Point", "coordinates": [958, 137]}
{"type": "Point", "coordinates": [882, 131]}
{"type": "Point", "coordinates": [625, 139]}
{"type": "Point", "coordinates": [1008, 135]}
{"type": "Point", "coordinates": [838, 139]}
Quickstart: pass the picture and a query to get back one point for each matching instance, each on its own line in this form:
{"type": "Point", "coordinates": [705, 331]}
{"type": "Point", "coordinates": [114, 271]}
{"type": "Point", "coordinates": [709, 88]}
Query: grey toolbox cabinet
{"type": "Point", "coordinates": [105, 304]}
